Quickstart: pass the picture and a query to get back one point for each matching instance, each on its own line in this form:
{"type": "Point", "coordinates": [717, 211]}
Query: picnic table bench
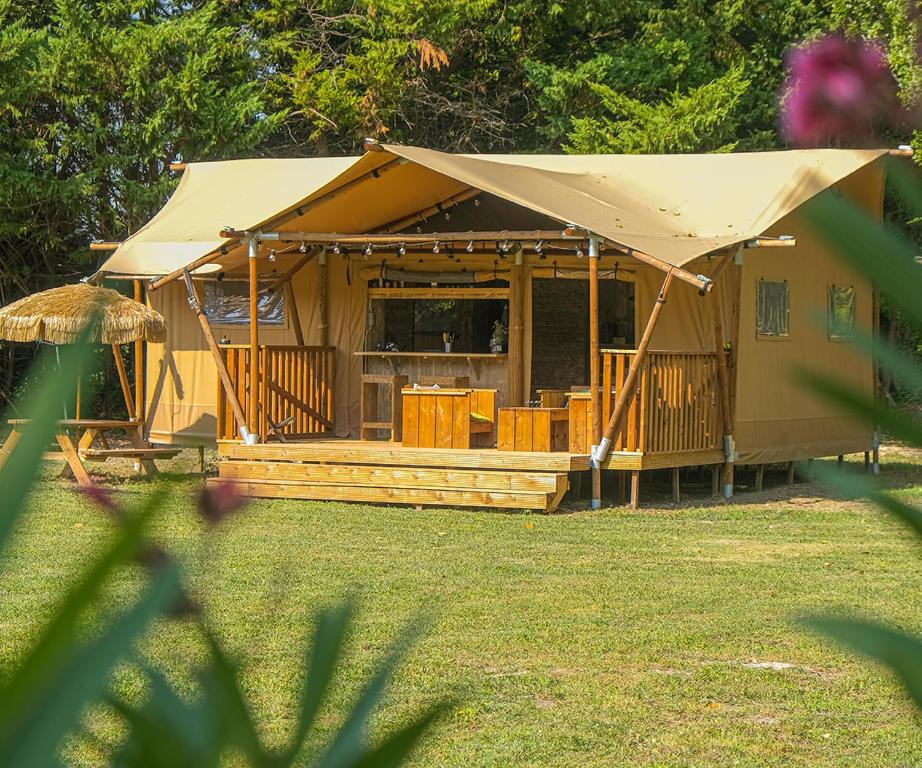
{"type": "Point", "coordinates": [74, 452]}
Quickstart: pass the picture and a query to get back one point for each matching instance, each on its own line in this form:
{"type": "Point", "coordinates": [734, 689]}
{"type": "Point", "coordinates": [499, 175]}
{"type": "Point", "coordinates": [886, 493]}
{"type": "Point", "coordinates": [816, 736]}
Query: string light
{"type": "Point", "coordinates": [401, 250]}
{"type": "Point", "coordinates": [538, 247]}
{"type": "Point", "coordinates": [368, 250]}
{"type": "Point", "coordinates": [435, 248]}
{"type": "Point", "coordinates": [303, 247]}
{"type": "Point", "coordinates": [272, 255]}
{"type": "Point", "coordinates": [504, 246]}
{"type": "Point", "coordinates": [336, 248]}
{"type": "Point", "coordinates": [579, 252]}
{"type": "Point", "coordinates": [470, 246]}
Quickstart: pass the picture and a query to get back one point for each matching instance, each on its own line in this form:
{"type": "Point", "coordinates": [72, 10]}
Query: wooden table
{"type": "Point", "coordinates": [93, 430]}
{"type": "Point", "coordinates": [533, 429]}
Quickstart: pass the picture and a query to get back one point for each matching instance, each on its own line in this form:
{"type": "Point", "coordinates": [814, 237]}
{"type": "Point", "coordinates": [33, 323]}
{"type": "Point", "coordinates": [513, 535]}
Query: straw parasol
{"type": "Point", "coordinates": [59, 316]}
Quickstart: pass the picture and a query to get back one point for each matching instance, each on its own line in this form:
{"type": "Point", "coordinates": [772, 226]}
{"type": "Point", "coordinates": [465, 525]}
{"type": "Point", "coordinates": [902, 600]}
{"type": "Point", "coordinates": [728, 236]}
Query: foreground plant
{"type": "Point", "coordinates": [842, 90]}
{"type": "Point", "coordinates": [67, 671]}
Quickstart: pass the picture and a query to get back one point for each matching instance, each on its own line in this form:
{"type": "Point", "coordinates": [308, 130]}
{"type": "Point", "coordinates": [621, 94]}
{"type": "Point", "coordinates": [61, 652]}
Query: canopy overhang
{"type": "Point", "coordinates": [673, 208]}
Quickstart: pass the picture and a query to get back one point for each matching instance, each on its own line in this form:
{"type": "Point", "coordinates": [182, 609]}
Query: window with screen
{"type": "Point", "coordinates": [773, 309]}
{"type": "Point", "coordinates": [841, 311]}
{"type": "Point", "coordinates": [227, 302]}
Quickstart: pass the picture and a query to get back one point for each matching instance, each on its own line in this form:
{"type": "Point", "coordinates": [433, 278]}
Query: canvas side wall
{"type": "Point", "coordinates": [182, 378]}
{"type": "Point", "coordinates": [776, 418]}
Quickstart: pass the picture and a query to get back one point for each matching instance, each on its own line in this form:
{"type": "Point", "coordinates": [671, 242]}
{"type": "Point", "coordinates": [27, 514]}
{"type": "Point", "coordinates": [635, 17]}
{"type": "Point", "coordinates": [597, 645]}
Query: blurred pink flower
{"type": "Point", "coordinates": [102, 497]}
{"type": "Point", "coordinates": [838, 89]}
{"type": "Point", "coordinates": [219, 500]}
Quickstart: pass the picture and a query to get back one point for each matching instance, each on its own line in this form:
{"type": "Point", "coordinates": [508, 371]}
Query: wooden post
{"type": "Point", "coordinates": [676, 486]}
{"type": "Point", "coordinates": [253, 415]}
{"type": "Point", "coordinates": [627, 390]}
{"type": "Point", "coordinates": [635, 488]}
{"type": "Point", "coordinates": [595, 403]}
{"type": "Point", "coordinates": [760, 476]}
{"type": "Point", "coordinates": [322, 326]}
{"type": "Point", "coordinates": [517, 393]}
{"type": "Point", "coordinates": [791, 469]}
{"type": "Point", "coordinates": [723, 381]}
{"type": "Point", "coordinates": [223, 375]}
{"type": "Point", "coordinates": [139, 349]}
{"type": "Point", "coordinates": [123, 380]}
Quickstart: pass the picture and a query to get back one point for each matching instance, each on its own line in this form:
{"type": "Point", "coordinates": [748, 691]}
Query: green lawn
{"type": "Point", "coordinates": [610, 638]}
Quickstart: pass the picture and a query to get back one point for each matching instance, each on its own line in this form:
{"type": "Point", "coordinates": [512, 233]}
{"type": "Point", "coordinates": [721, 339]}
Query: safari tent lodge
{"type": "Point", "coordinates": [416, 327]}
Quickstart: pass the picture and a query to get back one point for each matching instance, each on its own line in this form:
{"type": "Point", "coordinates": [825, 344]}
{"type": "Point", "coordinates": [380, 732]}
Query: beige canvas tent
{"type": "Point", "coordinates": [354, 258]}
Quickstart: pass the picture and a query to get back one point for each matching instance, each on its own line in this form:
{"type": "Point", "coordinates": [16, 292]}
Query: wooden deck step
{"type": "Point", "coordinates": [392, 476]}
{"type": "Point", "coordinates": [379, 453]}
{"type": "Point", "coordinates": [448, 497]}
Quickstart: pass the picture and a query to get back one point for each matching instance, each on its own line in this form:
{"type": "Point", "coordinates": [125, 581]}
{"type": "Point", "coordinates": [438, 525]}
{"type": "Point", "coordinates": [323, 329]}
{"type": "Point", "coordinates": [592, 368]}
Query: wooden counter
{"type": "Point", "coordinates": [485, 370]}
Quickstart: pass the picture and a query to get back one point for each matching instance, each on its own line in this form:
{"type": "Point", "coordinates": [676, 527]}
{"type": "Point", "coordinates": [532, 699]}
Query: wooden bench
{"type": "Point", "coordinates": [101, 454]}
{"type": "Point", "coordinates": [533, 429]}
{"type": "Point", "coordinates": [448, 418]}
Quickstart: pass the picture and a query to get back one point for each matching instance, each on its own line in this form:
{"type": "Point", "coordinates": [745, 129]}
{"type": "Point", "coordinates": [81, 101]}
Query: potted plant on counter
{"type": "Point", "coordinates": [498, 339]}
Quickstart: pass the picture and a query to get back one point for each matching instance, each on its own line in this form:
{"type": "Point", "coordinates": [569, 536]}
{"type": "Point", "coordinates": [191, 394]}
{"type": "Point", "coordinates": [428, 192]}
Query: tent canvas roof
{"type": "Point", "coordinates": [675, 207]}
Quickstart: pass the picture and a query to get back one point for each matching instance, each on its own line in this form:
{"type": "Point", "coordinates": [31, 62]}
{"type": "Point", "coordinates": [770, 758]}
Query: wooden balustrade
{"type": "Point", "coordinates": [295, 392]}
{"type": "Point", "coordinates": [675, 407]}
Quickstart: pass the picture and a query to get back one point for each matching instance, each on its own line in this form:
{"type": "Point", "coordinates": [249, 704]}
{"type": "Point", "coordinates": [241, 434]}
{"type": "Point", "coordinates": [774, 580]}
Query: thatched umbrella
{"type": "Point", "coordinates": [59, 316]}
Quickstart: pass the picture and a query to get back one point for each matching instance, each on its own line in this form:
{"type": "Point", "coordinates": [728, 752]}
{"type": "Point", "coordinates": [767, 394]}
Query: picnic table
{"type": "Point", "coordinates": [81, 446]}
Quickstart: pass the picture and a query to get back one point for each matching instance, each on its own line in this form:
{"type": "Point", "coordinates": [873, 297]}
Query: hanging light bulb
{"type": "Point", "coordinates": [470, 246]}
{"type": "Point", "coordinates": [579, 252]}
{"type": "Point", "coordinates": [538, 247]}
{"type": "Point", "coordinates": [272, 255]}
{"type": "Point", "coordinates": [336, 248]}
{"type": "Point", "coordinates": [447, 216]}
{"type": "Point", "coordinates": [401, 250]}
{"type": "Point", "coordinates": [504, 246]}
{"type": "Point", "coordinates": [435, 248]}
{"type": "Point", "coordinates": [368, 250]}
{"type": "Point", "coordinates": [303, 247]}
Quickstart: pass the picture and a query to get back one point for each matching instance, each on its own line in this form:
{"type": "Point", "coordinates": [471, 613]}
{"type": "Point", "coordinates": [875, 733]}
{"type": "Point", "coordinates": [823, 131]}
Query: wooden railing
{"type": "Point", "coordinates": [295, 391]}
{"type": "Point", "coordinates": [675, 406]}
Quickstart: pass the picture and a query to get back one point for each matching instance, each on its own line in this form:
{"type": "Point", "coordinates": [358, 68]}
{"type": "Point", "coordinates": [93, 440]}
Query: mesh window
{"type": "Point", "coordinates": [841, 311]}
{"type": "Point", "coordinates": [774, 309]}
{"type": "Point", "coordinates": [228, 303]}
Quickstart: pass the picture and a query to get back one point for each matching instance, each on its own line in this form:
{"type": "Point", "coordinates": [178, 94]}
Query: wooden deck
{"type": "Point", "coordinates": [372, 471]}
{"type": "Point", "coordinates": [376, 471]}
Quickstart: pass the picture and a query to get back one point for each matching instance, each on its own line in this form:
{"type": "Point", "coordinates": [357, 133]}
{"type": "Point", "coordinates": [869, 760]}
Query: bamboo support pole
{"type": "Point", "coordinates": [323, 278]}
{"type": "Point", "coordinates": [123, 381]}
{"type": "Point", "coordinates": [516, 364]}
{"type": "Point", "coordinates": [723, 382]}
{"type": "Point", "coordinates": [215, 350]}
{"type": "Point", "coordinates": [295, 316]}
{"type": "Point", "coordinates": [626, 392]}
{"type": "Point", "coordinates": [140, 405]}
{"type": "Point", "coordinates": [595, 403]}
{"type": "Point", "coordinates": [253, 416]}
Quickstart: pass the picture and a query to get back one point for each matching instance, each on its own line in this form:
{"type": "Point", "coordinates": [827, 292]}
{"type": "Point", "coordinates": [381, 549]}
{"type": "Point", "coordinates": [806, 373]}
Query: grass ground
{"type": "Point", "coordinates": [664, 636]}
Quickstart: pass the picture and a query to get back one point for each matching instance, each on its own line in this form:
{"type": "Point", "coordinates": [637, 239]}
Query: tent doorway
{"type": "Point", "coordinates": [560, 328]}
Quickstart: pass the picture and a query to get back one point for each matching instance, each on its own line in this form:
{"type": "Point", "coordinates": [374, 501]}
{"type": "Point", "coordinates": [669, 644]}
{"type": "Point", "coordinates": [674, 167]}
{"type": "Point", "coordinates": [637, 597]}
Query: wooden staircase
{"type": "Point", "coordinates": [366, 471]}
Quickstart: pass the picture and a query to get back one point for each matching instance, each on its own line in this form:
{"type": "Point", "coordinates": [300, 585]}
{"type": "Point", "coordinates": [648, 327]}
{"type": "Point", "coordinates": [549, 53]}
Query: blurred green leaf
{"type": "Point", "coordinates": [44, 657]}
{"type": "Point", "coordinates": [325, 651]}
{"type": "Point", "coordinates": [56, 703]}
{"type": "Point", "coordinates": [396, 748]}
{"type": "Point", "coordinates": [859, 486]}
{"type": "Point", "coordinates": [878, 253]}
{"type": "Point", "coordinates": [349, 745]}
{"type": "Point", "coordinates": [856, 402]}
{"type": "Point", "coordinates": [901, 652]}
{"type": "Point", "coordinates": [43, 408]}
{"type": "Point", "coordinates": [907, 181]}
